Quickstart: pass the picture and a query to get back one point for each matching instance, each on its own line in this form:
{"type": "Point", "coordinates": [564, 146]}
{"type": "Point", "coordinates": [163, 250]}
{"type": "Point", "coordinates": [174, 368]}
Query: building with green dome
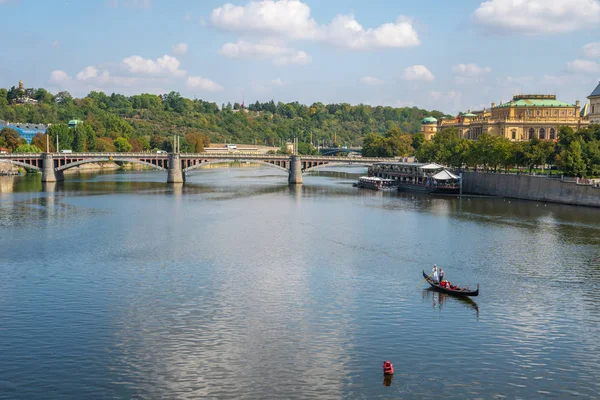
{"type": "Point", "coordinates": [524, 117]}
{"type": "Point", "coordinates": [429, 127]}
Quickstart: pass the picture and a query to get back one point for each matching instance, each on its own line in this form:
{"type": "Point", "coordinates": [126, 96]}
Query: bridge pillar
{"type": "Point", "coordinates": [295, 172]}
{"type": "Point", "coordinates": [175, 173]}
{"type": "Point", "coordinates": [48, 172]}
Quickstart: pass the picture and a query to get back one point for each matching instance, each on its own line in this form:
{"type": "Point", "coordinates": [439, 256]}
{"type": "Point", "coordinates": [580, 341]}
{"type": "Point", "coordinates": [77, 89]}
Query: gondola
{"type": "Point", "coordinates": [461, 292]}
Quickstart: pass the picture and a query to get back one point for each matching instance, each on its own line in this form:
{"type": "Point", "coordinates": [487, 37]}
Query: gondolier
{"type": "Point", "coordinates": [435, 275]}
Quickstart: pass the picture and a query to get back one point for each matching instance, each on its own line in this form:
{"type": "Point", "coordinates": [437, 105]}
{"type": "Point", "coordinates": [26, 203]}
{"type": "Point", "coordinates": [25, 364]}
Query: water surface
{"type": "Point", "coordinates": [238, 286]}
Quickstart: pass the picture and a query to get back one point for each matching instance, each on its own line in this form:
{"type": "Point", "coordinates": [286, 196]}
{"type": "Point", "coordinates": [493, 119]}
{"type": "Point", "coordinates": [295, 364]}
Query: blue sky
{"type": "Point", "coordinates": [449, 56]}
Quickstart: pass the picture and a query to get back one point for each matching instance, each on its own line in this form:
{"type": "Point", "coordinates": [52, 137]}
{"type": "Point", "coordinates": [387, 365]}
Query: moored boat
{"type": "Point", "coordinates": [458, 292]}
{"type": "Point", "coordinates": [417, 177]}
{"type": "Point", "coordinates": [375, 183]}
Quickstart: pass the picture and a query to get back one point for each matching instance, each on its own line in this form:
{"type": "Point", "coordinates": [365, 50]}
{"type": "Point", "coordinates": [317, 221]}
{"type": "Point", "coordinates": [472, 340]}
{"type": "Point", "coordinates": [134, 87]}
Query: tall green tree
{"type": "Point", "coordinates": [65, 136]}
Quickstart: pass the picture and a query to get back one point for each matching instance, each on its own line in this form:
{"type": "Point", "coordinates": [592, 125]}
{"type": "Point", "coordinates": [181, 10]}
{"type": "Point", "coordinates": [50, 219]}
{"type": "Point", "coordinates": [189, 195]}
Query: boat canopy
{"type": "Point", "coordinates": [444, 175]}
{"type": "Point", "coordinates": [431, 166]}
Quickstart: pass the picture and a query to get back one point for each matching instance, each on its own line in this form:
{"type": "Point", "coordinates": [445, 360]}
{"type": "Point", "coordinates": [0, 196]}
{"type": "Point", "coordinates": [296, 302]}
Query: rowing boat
{"type": "Point", "coordinates": [459, 292]}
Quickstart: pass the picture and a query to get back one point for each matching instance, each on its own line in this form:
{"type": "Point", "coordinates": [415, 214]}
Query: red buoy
{"type": "Point", "coordinates": [388, 368]}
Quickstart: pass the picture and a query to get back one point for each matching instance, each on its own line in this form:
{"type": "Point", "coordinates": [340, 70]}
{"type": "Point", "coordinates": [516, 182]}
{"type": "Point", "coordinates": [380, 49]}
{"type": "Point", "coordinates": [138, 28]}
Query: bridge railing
{"type": "Point", "coordinates": [237, 155]}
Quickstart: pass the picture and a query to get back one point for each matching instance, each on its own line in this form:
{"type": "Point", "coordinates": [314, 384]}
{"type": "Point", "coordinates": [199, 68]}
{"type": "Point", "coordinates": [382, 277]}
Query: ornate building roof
{"type": "Point", "coordinates": [429, 120]}
{"type": "Point", "coordinates": [535, 100]}
{"type": "Point", "coordinates": [596, 91]}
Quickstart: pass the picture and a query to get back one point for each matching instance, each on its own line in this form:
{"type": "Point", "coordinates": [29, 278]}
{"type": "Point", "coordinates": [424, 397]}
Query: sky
{"type": "Point", "coordinates": [450, 56]}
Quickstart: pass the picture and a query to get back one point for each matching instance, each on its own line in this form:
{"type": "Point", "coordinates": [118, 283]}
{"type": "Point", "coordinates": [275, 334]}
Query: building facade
{"type": "Point", "coordinates": [523, 118]}
{"type": "Point", "coordinates": [429, 127]}
{"type": "Point", "coordinates": [26, 131]}
{"type": "Point", "coordinates": [594, 108]}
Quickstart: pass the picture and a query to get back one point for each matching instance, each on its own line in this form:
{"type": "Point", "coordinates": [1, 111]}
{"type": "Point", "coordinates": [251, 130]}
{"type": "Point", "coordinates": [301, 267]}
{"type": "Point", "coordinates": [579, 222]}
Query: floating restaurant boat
{"type": "Point", "coordinates": [375, 183]}
{"type": "Point", "coordinates": [458, 292]}
{"type": "Point", "coordinates": [417, 177]}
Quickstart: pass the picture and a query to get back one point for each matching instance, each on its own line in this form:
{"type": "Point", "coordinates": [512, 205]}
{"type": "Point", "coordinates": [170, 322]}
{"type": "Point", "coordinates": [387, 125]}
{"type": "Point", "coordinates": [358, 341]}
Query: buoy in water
{"type": "Point", "coordinates": [388, 368]}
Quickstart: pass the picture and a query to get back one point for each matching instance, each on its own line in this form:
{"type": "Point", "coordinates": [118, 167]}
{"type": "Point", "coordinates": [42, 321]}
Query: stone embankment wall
{"type": "Point", "coordinates": [529, 187]}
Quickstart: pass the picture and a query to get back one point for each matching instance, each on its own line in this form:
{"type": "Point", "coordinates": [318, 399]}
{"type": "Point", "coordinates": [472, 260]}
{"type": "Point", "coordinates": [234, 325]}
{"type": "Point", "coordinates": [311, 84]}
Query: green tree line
{"type": "Point", "coordinates": [149, 121]}
{"type": "Point", "coordinates": [575, 153]}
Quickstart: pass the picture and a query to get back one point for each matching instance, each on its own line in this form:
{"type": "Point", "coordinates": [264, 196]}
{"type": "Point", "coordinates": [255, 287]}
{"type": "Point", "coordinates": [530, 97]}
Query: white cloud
{"type": "Point", "coordinates": [583, 66]}
{"type": "Point", "coordinates": [59, 77]}
{"type": "Point", "coordinates": [180, 48]}
{"type": "Point", "coordinates": [290, 19]}
{"type": "Point", "coordinates": [345, 31]}
{"type": "Point", "coordinates": [471, 70]}
{"type": "Point", "coordinates": [592, 50]}
{"type": "Point", "coordinates": [199, 83]}
{"type": "Point", "coordinates": [275, 51]}
{"type": "Point", "coordinates": [87, 73]}
{"type": "Point", "coordinates": [163, 66]}
{"type": "Point", "coordinates": [370, 80]}
{"type": "Point", "coordinates": [417, 73]}
{"type": "Point", "coordinates": [537, 16]}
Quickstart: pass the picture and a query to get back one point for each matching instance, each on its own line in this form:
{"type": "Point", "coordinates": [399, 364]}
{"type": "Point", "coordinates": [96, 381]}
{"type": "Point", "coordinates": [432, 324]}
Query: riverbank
{"type": "Point", "coordinates": [528, 187]}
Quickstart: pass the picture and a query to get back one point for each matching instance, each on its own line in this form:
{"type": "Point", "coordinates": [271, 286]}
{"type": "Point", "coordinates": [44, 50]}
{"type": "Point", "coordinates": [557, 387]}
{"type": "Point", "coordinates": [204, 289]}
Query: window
{"type": "Point", "coordinates": [592, 109]}
{"type": "Point", "coordinates": [538, 113]}
{"type": "Point", "coordinates": [552, 134]}
{"type": "Point", "coordinates": [570, 112]}
{"type": "Point", "coordinates": [547, 113]}
{"type": "Point", "coordinates": [531, 133]}
{"type": "Point", "coordinates": [562, 112]}
{"type": "Point", "coordinates": [555, 112]}
{"type": "Point", "coordinates": [514, 134]}
{"type": "Point", "coordinates": [542, 133]}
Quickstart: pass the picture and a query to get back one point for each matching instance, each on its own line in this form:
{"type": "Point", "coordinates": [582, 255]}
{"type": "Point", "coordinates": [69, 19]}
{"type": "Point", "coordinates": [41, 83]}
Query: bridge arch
{"type": "Point", "coordinates": [223, 161]}
{"type": "Point", "coordinates": [20, 164]}
{"type": "Point", "coordinates": [337, 163]}
{"type": "Point", "coordinates": [108, 159]}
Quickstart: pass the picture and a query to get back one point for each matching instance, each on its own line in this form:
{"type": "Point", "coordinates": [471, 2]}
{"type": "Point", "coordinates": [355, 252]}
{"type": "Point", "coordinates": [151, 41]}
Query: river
{"type": "Point", "coordinates": [236, 286]}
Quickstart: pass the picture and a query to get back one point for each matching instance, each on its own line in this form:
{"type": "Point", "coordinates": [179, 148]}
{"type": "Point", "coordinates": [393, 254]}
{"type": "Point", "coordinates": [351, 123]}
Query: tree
{"type": "Point", "coordinates": [64, 134]}
{"type": "Point", "coordinates": [417, 140]}
{"type": "Point", "coordinates": [136, 145]}
{"type": "Point", "coordinates": [122, 145]}
{"type": "Point", "coordinates": [307, 149]}
{"type": "Point", "coordinates": [12, 139]}
{"type": "Point", "coordinates": [27, 148]}
{"type": "Point", "coordinates": [64, 98]}
{"type": "Point", "coordinates": [571, 159]}
{"type": "Point", "coordinates": [537, 152]}
{"type": "Point", "coordinates": [43, 96]}
{"type": "Point", "coordinates": [3, 97]}
{"type": "Point", "coordinates": [81, 134]}
{"type": "Point", "coordinates": [105, 145]}
{"type": "Point", "coordinates": [39, 140]}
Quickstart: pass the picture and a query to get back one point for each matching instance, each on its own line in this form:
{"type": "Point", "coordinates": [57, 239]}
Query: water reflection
{"type": "Point", "coordinates": [439, 300]}
{"type": "Point", "coordinates": [387, 380]}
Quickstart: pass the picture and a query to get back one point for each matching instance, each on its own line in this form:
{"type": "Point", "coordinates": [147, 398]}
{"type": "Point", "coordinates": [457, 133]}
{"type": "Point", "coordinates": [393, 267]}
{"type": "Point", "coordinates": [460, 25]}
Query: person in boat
{"type": "Point", "coordinates": [441, 274]}
{"type": "Point", "coordinates": [435, 274]}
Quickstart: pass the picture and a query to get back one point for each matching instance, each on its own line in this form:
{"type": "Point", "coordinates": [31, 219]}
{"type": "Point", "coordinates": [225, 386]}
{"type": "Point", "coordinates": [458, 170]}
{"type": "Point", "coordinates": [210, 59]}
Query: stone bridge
{"type": "Point", "coordinates": [52, 165]}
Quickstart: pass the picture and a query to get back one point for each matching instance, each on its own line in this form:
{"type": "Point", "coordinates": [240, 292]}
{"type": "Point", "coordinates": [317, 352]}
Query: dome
{"type": "Point", "coordinates": [429, 120]}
